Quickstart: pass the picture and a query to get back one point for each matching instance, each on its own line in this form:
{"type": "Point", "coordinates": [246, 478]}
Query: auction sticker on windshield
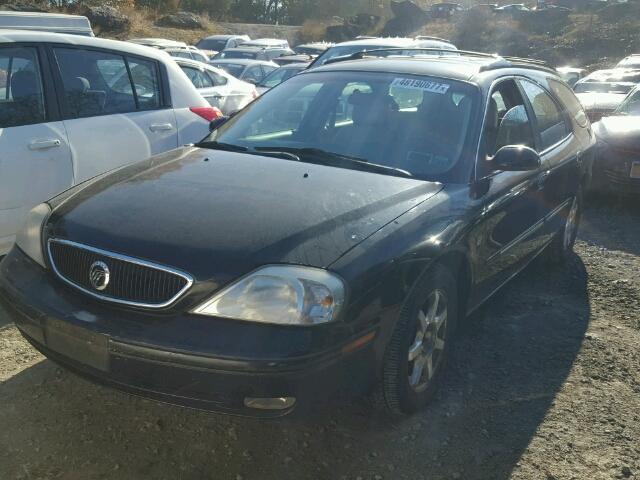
{"type": "Point", "coordinates": [635, 170]}
{"type": "Point", "coordinates": [424, 85]}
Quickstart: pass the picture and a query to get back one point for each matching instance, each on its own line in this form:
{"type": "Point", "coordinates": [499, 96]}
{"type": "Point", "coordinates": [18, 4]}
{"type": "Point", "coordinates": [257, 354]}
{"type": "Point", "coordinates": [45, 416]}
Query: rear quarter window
{"type": "Point", "coordinates": [570, 102]}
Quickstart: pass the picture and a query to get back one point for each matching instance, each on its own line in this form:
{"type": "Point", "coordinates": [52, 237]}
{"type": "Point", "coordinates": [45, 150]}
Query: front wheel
{"type": "Point", "coordinates": [416, 354]}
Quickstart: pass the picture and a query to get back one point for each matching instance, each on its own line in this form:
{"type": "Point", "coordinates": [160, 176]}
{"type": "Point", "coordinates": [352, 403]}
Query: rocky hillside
{"type": "Point", "coordinates": [582, 37]}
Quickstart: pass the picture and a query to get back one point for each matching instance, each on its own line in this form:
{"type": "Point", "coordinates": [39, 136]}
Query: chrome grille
{"type": "Point", "coordinates": [131, 281]}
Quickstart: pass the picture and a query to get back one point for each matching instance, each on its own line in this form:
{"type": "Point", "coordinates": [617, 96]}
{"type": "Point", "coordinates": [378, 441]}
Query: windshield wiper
{"type": "Point", "coordinates": [319, 153]}
{"type": "Point", "coordinates": [227, 147]}
{"type": "Point", "coordinates": [277, 153]}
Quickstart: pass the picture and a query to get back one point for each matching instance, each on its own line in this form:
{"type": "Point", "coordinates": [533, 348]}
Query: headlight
{"type": "Point", "coordinates": [286, 295]}
{"type": "Point", "coordinates": [29, 239]}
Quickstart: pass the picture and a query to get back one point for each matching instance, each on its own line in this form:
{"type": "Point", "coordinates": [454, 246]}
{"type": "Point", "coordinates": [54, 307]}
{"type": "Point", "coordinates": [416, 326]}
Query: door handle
{"type": "Point", "coordinates": [43, 144]}
{"type": "Point", "coordinates": [161, 127]}
{"type": "Point", "coordinates": [542, 179]}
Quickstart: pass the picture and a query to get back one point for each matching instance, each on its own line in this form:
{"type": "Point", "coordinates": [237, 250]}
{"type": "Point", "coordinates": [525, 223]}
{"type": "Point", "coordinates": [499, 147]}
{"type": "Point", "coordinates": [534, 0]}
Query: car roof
{"type": "Point", "coordinates": [7, 36]}
{"type": "Point", "coordinates": [296, 65]}
{"type": "Point", "coordinates": [570, 69]}
{"type": "Point", "coordinates": [266, 41]}
{"type": "Point", "coordinates": [224, 37]}
{"type": "Point", "coordinates": [384, 42]}
{"type": "Point", "coordinates": [316, 44]}
{"type": "Point", "coordinates": [249, 48]}
{"type": "Point", "coordinates": [458, 65]}
{"type": "Point", "coordinates": [159, 42]}
{"type": "Point", "coordinates": [613, 75]}
{"type": "Point", "coordinates": [243, 61]}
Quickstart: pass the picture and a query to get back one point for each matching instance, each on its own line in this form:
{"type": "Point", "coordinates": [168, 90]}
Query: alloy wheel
{"type": "Point", "coordinates": [427, 348]}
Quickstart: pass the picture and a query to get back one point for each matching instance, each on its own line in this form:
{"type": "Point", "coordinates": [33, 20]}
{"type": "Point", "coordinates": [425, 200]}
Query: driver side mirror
{"type": "Point", "coordinates": [217, 123]}
{"type": "Point", "coordinates": [515, 158]}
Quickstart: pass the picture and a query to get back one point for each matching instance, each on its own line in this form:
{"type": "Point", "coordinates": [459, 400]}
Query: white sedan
{"type": "Point", "coordinates": [113, 103]}
{"type": "Point", "coordinates": [218, 87]}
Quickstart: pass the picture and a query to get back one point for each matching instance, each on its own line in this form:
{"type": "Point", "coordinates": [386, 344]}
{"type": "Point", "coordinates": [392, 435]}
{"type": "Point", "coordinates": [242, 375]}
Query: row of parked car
{"type": "Point", "coordinates": [611, 99]}
{"type": "Point", "coordinates": [330, 235]}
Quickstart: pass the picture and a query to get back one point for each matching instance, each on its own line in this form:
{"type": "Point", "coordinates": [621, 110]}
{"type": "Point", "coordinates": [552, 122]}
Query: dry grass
{"type": "Point", "coordinates": [312, 31]}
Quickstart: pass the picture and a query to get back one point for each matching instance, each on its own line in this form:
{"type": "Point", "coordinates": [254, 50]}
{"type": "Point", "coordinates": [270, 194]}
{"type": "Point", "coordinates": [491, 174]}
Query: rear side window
{"type": "Point", "coordinates": [570, 101]}
{"type": "Point", "coordinates": [217, 79]}
{"type": "Point", "coordinates": [21, 93]}
{"type": "Point", "coordinates": [100, 83]}
{"type": "Point", "coordinates": [198, 78]}
{"type": "Point", "coordinates": [253, 74]}
{"type": "Point", "coordinates": [549, 117]}
{"type": "Point", "coordinates": [145, 76]}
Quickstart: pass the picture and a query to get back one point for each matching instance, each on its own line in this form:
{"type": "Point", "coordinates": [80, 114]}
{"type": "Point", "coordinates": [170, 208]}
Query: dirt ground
{"type": "Point", "coordinates": [544, 384]}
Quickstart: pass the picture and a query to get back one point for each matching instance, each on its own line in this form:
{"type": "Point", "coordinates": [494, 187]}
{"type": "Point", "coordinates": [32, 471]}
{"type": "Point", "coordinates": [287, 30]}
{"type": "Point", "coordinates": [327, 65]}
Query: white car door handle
{"type": "Point", "coordinates": [161, 127]}
{"type": "Point", "coordinates": [42, 144]}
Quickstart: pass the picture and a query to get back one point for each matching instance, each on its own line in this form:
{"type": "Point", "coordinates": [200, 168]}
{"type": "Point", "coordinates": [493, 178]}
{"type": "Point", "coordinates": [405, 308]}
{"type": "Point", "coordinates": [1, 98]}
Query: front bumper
{"type": "Point", "coordinates": [164, 356]}
{"type": "Point", "coordinates": [612, 171]}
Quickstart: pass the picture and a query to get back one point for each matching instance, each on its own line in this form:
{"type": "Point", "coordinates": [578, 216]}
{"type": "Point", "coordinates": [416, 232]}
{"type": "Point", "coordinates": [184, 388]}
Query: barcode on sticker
{"type": "Point", "coordinates": [424, 85]}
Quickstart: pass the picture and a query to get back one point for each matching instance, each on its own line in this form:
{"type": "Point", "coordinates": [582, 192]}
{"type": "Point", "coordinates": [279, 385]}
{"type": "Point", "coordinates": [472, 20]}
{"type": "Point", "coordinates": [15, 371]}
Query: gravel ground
{"type": "Point", "coordinates": [543, 384]}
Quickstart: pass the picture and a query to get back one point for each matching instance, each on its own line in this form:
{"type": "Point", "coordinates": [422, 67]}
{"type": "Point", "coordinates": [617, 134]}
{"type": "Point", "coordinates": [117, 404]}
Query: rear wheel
{"type": "Point", "coordinates": [416, 354]}
{"type": "Point", "coordinates": [562, 245]}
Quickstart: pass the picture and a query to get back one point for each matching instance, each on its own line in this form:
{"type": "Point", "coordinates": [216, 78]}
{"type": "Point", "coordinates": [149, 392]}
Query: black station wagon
{"type": "Point", "coordinates": [330, 235]}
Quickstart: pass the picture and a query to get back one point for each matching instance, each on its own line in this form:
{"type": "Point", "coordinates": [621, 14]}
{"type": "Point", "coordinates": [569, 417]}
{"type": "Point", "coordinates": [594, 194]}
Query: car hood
{"type": "Point", "coordinates": [600, 101]}
{"type": "Point", "coordinates": [218, 215]}
{"type": "Point", "coordinates": [621, 131]}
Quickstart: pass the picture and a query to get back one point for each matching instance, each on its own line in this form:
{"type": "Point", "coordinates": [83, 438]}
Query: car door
{"type": "Point", "coordinates": [508, 233]}
{"type": "Point", "coordinates": [559, 151]}
{"type": "Point", "coordinates": [35, 159]}
{"type": "Point", "coordinates": [115, 108]}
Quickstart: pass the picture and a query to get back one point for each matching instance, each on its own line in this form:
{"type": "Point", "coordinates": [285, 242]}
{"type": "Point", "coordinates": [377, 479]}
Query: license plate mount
{"type": "Point", "coordinates": [79, 344]}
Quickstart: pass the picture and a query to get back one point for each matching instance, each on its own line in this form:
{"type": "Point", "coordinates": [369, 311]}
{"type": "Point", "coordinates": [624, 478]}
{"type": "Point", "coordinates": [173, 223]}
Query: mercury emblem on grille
{"type": "Point", "coordinates": [99, 275]}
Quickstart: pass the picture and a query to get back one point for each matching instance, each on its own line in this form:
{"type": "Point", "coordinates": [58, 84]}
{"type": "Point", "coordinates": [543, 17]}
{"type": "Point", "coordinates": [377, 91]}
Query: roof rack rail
{"type": "Point", "coordinates": [498, 61]}
{"type": "Point", "coordinates": [414, 50]}
{"type": "Point", "coordinates": [518, 62]}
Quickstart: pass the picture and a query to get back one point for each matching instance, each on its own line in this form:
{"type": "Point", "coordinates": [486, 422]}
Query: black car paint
{"type": "Point", "coordinates": [220, 219]}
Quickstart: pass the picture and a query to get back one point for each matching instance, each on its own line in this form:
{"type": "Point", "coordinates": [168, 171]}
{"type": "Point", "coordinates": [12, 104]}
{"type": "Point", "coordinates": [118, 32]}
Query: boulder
{"type": "Point", "coordinates": [181, 20]}
{"type": "Point", "coordinates": [408, 18]}
{"type": "Point", "coordinates": [107, 19]}
{"type": "Point", "coordinates": [360, 24]}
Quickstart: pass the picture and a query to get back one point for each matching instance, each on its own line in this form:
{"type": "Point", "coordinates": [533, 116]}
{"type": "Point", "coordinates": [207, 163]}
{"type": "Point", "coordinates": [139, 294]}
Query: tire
{"type": "Point", "coordinates": [402, 389]}
{"type": "Point", "coordinates": [561, 247]}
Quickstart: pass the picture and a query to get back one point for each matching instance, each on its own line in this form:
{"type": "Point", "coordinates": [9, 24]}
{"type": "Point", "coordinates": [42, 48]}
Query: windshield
{"type": "Point", "coordinates": [278, 76]}
{"type": "Point", "coordinates": [234, 69]}
{"type": "Point", "coordinates": [602, 87]}
{"type": "Point", "coordinates": [416, 124]}
{"type": "Point", "coordinates": [238, 54]}
{"type": "Point", "coordinates": [630, 105]}
{"type": "Point", "coordinates": [210, 44]}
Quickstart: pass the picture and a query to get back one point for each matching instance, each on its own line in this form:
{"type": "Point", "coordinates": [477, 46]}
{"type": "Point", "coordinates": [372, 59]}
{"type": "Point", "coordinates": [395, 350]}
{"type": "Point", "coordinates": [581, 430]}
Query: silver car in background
{"type": "Point", "coordinates": [252, 71]}
{"type": "Point", "coordinates": [218, 87]}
